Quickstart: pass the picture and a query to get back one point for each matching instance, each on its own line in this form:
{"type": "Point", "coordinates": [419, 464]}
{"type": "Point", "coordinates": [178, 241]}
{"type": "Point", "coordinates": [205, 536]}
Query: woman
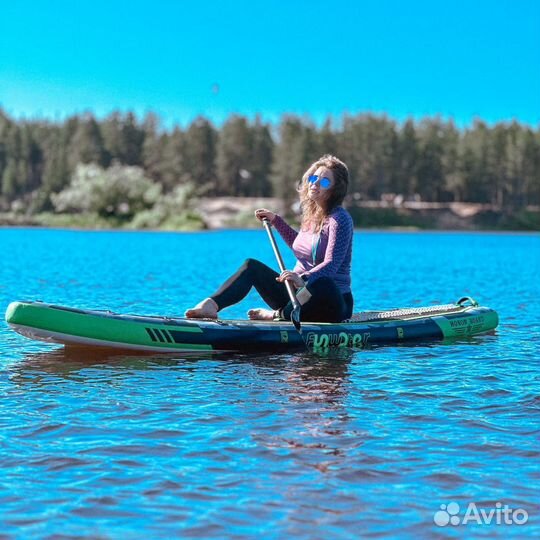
{"type": "Point", "coordinates": [323, 248]}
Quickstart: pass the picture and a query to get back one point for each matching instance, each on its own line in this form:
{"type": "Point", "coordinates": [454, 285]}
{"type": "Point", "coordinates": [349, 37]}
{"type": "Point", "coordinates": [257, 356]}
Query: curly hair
{"type": "Point", "coordinates": [314, 215]}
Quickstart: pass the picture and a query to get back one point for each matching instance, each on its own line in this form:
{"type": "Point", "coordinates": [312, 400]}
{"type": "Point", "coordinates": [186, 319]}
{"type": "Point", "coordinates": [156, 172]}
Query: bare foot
{"type": "Point", "coordinates": [207, 309]}
{"type": "Point", "coordinates": [261, 314]}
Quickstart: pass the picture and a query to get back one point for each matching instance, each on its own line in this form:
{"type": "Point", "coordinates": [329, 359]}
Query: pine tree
{"type": "Point", "coordinates": [4, 128]}
{"type": "Point", "coordinates": [9, 180]}
{"type": "Point", "coordinates": [132, 141]}
{"type": "Point", "coordinates": [86, 145]}
{"type": "Point", "coordinates": [14, 175]}
{"type": "Point", "coordinates": [32, 160]}
{"type": "Point", "coordinates": [453, 182]}
{"type": "Point", "coordinates": [295, 151]}
{"type": "Point", "coordinates": [367, 148]}
{"type": "Point", "coordinates": [431, 179]}
{"type": "Point", "coordinates": [328, 141]}
{"type": "Point", "coordinates": [111, 131]}
{"type": "Point", "coordinates": [262, 149]}
{"type": "Point", "coordinates": [152, 148]}
{"type": "Point", "coordinates": [56, 173]}
{"type": "Point", "coordinates": [498, 145]}
{"type": "Point", "coordinates": [531, 168]}
{"type": "Point", "coordinates": [200, 154]}
{"type": "Point", "coordinates": [232, 157]}
{"type": "Point", "coordinates": [405, 161]}
{"type": "Point", "coordinates": [173, 162]}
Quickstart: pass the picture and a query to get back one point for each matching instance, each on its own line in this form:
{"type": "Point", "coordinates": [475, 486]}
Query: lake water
{"type": "Point", "coordinates": [363, 443]}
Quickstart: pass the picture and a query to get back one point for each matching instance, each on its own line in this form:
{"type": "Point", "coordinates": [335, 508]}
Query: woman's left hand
{"type": "Point", "coordinates": [293, 277]}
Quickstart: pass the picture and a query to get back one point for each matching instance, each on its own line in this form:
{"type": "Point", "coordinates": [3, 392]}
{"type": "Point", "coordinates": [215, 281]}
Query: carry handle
{"type": "Point", "coordinates": [462, 301]}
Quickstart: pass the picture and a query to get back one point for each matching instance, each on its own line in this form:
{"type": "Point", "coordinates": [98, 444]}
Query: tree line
{"type": "Point", "coordinates": [430, 159]}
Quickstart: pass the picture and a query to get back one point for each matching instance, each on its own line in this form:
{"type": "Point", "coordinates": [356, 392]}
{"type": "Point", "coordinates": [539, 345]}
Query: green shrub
{"type": "Point", "coordinates": [173, 211]}
{"type": "Point", "coordinates": [119, 192]}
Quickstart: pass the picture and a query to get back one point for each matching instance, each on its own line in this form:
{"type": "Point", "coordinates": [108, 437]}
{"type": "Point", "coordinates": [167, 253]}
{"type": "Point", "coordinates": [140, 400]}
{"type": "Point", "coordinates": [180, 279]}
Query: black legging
{"type": "Point", "coordinates": [327, 302]}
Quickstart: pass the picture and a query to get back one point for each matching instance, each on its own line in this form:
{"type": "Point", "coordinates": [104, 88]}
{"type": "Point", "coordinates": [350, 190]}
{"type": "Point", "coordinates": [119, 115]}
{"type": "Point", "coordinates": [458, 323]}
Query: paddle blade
{"type": "Point", "coordinates": [295, 319]}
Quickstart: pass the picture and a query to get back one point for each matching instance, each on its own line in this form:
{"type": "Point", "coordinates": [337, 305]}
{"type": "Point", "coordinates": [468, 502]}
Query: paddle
{"type": "Point", "coordinates": [295, 314]}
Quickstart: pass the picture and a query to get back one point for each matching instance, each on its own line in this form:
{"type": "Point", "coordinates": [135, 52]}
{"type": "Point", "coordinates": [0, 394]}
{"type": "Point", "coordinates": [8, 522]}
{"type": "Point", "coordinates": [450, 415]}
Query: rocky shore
{"type": "Point", "coordinates": [238, 212]}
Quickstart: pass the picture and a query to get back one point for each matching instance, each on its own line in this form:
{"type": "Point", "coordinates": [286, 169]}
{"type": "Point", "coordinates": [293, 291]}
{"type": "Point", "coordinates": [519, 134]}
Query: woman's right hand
{"type": "Point", "coordinates": [263, 213]}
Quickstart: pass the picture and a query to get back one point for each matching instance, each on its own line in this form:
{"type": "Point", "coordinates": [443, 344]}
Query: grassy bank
{"type": "Point", "coordinates": [91, 221]}
{"type": "Point", "coordinates": [230, 212]}
{"type": "Point", "coordinates": [445, 218]}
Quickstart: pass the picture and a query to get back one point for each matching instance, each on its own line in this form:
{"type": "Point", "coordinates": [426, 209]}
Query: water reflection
{"type": "Point", "coordinates": [64, 361]}
{"type": "Point", "coordinates": [320, 377]}
{"type": "Point", "coordinates": [304, 395]}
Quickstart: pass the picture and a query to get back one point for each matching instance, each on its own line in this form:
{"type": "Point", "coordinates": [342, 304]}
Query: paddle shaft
{"type": "Point", "coordinates": [281, 265]}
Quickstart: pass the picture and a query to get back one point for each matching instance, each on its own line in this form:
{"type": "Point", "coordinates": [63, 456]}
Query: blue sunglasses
{"type": "Point", "coordinates": [325, 183]}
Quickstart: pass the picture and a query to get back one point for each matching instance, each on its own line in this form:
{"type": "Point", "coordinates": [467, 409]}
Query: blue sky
{"type": "Point", "coordinates": [458, 59]}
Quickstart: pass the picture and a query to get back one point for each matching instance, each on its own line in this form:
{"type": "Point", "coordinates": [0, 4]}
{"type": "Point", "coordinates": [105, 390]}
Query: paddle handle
{"type": "Point", "coordinates": [281, 265]}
